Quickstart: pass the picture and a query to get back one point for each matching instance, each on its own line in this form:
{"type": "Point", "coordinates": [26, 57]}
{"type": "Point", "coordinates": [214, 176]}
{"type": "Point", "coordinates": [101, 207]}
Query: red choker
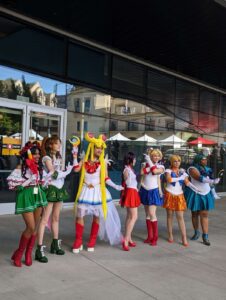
{"type": "Point", "coordinates": [91, 167]}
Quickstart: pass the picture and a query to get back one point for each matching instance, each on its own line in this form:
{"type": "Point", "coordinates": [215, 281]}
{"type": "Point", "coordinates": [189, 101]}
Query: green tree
{"type": "Point", "coordinates": [12, 90]}
{"type": "Point", "coordinates": [3, 89]}
{"type": "Point", "coordinates": [6, 124]}
{"type": "Point", "coordinates": [26, 89]}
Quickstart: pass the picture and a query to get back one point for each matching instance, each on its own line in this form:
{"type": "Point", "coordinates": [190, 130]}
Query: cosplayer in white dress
{"type": "Point", "coordinates": [94, 199]}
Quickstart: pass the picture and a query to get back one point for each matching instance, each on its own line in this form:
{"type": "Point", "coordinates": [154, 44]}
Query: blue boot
{"type": "Point", "coordinates": [205, 238]}
{"type": "Point", "coordinates": [196, 235]}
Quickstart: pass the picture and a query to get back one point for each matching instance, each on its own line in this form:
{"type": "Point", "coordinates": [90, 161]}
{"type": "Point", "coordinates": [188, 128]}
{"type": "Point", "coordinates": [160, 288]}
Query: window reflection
{"type": "Point", "coordinates": [172, 108]}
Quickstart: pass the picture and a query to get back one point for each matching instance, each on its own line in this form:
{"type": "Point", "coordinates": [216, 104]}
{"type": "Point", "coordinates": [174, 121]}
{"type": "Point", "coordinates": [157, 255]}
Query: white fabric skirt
{"type": "Point", "coordinates": [92, 196]}
{"type": "Point", "coordinates": [90, 203]}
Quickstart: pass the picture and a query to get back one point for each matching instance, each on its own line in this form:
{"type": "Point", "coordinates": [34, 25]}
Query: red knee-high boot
{"type": "Point", "coordinates": [154, 240]}
{"type": "Point", "coordinates": [17, 255]}
{"type": "Point", "coordinates": [77, 246]}
{"type": "Point", "coordinates": [28, 253]}
{"type": "Point", "coordinates": [150, 232]}
{"type": "Point", "coordinates": [93, 237]}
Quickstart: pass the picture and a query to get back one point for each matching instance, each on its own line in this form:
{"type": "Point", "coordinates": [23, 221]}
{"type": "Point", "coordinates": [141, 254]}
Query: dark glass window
{"type": "Point", "coordinates": [161, 89]}
{"type": "Point", "coordinates": [132, 126]}
{"type": "Point", "coordinates": [31, 48]}
{"type": "Point", "coordinates": [85, 126]}
{"type": "Point", "coordinates": [87, 105]}
{"type": "Point", "coordinates": [88, 65]}
{"type": "Point", "coordinates": [78, 125]}
{"type": "Point", "coordinates": [77, 105]}
{"type": "Point", "coordinates": [128, 77]}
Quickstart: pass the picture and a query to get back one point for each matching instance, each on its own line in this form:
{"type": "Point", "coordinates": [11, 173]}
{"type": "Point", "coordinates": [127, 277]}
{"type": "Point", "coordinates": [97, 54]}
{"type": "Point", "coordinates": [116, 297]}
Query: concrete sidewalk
{"type": "Point", "coordinates": [168, 271]}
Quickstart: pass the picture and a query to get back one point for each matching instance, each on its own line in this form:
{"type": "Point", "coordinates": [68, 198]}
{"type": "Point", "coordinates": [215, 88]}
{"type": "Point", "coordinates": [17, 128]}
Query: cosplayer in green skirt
{"type": "Point", "coordinates": [27, 181]}
{"type": "Point", "coordinates": [28, 201]}
{"type": "Point", "coordinates": [55, 194]}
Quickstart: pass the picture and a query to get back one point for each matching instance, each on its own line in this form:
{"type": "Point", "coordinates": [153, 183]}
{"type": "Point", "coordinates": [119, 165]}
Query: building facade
{"type": "Point", "coordinates": [67, 83]}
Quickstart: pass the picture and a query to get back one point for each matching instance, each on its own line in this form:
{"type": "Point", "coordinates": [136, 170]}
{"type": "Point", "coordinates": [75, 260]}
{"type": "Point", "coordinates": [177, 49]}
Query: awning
{"type": "Point", "coordinates": [201, 140]}
{"type": "Point", "coordinates": [118, 137]}
{"type": "Point", "coordinates": [146, 138]}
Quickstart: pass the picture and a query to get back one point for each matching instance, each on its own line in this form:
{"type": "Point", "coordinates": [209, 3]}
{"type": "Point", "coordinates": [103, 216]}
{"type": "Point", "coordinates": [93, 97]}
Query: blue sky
{"type": "Point", "coordinates": [48, 85]}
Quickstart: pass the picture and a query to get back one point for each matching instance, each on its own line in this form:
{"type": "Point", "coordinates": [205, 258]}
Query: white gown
{"type": "Point", "coordinates": [90, 203]}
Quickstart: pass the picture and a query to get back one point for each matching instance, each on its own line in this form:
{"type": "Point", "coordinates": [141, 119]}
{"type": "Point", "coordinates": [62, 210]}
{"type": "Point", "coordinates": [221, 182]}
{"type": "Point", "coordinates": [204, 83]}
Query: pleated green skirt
{"type": "Point", "coordinates": [27, 201]}
{"type": "Point", "coordinates": [53, 194]}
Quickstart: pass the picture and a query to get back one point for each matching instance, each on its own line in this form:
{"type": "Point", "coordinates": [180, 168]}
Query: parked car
{"type": "Point", "coordinates": [187, 155]}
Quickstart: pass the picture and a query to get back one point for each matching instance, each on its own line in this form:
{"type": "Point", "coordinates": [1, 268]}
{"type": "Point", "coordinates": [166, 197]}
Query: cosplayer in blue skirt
{"type": "Point", "coordinates": [151, 197]}
{"type": "Point", "coordinates": [202, 201]}
{"type": "Point", "coordinates": [151, 193]}
{"type": "Point", "coordinates": [197, 202]}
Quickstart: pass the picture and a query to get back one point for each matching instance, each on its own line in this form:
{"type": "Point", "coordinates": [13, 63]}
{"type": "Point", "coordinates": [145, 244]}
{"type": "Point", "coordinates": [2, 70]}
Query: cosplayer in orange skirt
{"type": "Point", "coordinates": [174, 202]}
{"type": "Point", "coordinates": [130, 199]}
{"type": "Point", "coordinates": [174, 197]}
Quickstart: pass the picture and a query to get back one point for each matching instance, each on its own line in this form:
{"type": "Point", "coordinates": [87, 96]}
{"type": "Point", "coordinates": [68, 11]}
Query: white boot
{"type": "Point", "coordinates": [216, 197]}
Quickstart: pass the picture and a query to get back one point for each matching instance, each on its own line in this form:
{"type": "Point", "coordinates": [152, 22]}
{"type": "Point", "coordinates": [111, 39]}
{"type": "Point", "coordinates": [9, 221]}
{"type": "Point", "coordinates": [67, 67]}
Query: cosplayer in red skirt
{"type": "Point", "coordinates": [130, 199]}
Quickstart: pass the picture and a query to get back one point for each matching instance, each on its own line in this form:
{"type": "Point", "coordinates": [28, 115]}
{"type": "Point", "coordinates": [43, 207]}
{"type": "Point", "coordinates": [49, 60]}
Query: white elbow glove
{"type": "Point", "coordinates": [63, 174]}
{"type": "Point", "coordinates": [182, 177]}
{"type": "Point", "coordinates": [26, 183]}
{"type": "Point", "coordinates": [29, 181]}
{"type": "Point", "coordinates": [211, 181]}
{"type": "Point", "coordinates": [216, 180]}
{"type": "Point", "coordinates": [193, 187]}
{"type": "Point", "coordinates": [182, 171]}
{"type": "Point", "coordinates": [75, 161]}
{"type": "Point", "coordinates": [115, 186]}
{"type": "Point", "coordinates": [148, 160]}
{"type": "Point", "coordinates": [75, 155]}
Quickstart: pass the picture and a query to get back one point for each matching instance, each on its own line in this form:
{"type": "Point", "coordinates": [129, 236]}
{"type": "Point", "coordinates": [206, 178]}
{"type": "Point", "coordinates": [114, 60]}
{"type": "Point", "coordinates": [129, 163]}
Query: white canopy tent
{"type": "Point", "coordinates": [16, 135]}
{"type": "Point", "coordinates": [32, 134]}
{"type": "Point", "coordinates": [172, 140]}
{"type": "Point", "coordinates": [118, 137]}
{"type": "Point", "coordinates": [146, 138]}
{"type": "Point", "coordinates": [35, 135]}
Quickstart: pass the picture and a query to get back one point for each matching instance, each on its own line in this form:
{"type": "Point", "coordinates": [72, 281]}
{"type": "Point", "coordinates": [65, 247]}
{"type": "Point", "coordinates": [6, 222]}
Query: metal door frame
{"type": "Point", "coordinates": [27, 108]}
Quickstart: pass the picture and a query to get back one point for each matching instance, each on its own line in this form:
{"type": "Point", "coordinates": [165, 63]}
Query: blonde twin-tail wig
{"type": "Point", "coordinates": [99, 143]}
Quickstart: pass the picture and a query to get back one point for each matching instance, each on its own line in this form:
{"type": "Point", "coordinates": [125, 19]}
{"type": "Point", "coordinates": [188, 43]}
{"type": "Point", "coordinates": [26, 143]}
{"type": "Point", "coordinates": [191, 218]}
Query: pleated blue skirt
{"type": "Point", "coordinates": [150, 197]}
{"type": "Point", "coordinates": [197, 202]}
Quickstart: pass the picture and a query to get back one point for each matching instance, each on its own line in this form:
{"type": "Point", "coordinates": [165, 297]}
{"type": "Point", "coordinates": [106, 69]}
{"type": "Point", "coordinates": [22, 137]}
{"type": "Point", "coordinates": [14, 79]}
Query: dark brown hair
{"type": "Point", "coordinates": [33, 147]}
{"type": "Point", "coordinates": [47, 146]}
{"type": "Point", "coordinates": [128, 159]}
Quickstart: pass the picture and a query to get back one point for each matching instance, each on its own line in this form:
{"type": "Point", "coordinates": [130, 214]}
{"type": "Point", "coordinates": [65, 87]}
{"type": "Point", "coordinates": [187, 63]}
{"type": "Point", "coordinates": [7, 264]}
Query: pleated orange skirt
{"type": "Point", "coordinates": [174, 202]}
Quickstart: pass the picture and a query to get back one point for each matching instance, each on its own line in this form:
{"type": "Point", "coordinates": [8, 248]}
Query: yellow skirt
{"type": "Point", "coordinates": [174, 202]}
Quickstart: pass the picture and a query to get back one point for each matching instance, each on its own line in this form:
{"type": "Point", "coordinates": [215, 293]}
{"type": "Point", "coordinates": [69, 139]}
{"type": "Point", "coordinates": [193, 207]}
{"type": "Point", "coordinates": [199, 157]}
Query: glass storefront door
{"type": "Point", "coordinates": [20, 122]}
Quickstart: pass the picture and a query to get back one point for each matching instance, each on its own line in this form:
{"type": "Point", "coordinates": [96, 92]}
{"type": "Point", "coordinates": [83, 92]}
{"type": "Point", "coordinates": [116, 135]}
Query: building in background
{"type": "Point", "coordinates": [146, 73]}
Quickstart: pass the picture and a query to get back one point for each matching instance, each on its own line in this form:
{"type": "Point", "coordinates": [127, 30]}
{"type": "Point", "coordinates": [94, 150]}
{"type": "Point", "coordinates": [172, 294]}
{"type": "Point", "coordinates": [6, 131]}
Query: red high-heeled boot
{"type": "Point", "coordinates": [150, 232]}
{"type": "Point", "coordinates": [28, 253]}
{"type": "Point", "coordinates": [93, 237]}
{"type": "Point", "coordinates": [77, 246]}
{"type": "Point", "coordinates": [155, 233]}
{"type": "Point", "coordinates": [17, 255]}
{"type": "Point", "coordinates": [124, 246]}
{"type": "Point", "coordinates": [132, 244]}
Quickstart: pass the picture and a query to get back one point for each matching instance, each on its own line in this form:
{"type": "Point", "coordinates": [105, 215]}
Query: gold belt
{"type": "Point", "coordinates": [90, 185]}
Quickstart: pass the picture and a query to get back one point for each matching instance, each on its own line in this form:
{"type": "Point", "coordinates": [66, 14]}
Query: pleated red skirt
{"type": "Point", "coordinates": [131, 198]}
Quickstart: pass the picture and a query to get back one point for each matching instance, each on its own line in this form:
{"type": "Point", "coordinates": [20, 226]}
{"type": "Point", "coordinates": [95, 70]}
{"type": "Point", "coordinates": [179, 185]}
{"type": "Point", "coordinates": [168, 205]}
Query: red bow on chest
{"type": "Point", "coordinates": [91, 166]}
